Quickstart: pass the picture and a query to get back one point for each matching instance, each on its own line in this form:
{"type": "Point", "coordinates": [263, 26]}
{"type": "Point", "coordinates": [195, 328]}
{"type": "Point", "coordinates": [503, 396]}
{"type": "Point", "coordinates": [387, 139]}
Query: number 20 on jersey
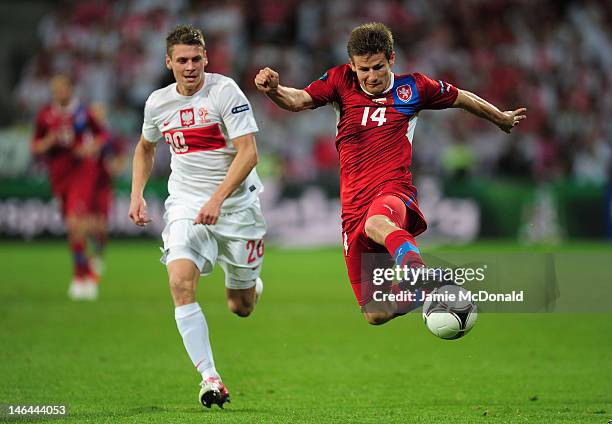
{"type": "Point", "coordinates": [177, 141]}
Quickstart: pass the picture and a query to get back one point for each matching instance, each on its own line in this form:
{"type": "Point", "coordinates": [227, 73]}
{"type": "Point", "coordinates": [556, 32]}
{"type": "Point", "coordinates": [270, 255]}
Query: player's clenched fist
{"type": "Point", "coordinates": [138, 212]}
{"type": "Point", "coordinates": [266, 80]}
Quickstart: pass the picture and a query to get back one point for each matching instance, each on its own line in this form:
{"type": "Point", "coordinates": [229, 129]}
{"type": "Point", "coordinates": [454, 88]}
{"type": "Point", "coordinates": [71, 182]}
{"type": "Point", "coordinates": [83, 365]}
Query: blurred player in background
{"type": "Point", "coordinates": [111, 162]}
{"type": "Point", "coordinates": [377, 113]}
{"type": "Point", "coordinates": [69, 139]}
{"type": "Point", "coordinates": [212, 211]}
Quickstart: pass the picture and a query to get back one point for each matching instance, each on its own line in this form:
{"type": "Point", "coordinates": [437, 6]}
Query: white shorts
{"type": "Point", "coordinates": [235, 241]}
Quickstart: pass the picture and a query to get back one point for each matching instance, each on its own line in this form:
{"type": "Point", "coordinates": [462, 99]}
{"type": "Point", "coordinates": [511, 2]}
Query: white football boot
{"type": "Point", "coordinates": [83, 289]}
{"type": "Point", "coordinates": [91, 289]}
{"type": "Point", "coordinates": [76, 289]}
{"type": "Point", "coordinates": [213, 391]}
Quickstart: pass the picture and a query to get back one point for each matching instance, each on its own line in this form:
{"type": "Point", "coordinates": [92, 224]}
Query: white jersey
{"type": "Point", "coordinates": [199, 130]}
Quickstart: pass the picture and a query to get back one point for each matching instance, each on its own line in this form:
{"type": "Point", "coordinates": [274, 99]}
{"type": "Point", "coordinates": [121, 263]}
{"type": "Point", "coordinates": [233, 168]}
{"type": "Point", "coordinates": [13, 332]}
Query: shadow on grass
{"type": "Point", "coordinates": [152, 410]}
{"type": "Point", "coordinates": [193, 410]}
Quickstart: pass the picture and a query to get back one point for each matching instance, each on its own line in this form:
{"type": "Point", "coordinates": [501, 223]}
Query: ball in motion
{"type": "Point", "coordinates": [449, 312]}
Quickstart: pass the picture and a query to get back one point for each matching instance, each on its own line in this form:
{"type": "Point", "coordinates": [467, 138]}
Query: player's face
{"type": "Point", "coordinates": [61, 90]}
{"type": "Point", "coordinates": [373, 71]}
{"type": "Point", "coordinates": [187, 63]}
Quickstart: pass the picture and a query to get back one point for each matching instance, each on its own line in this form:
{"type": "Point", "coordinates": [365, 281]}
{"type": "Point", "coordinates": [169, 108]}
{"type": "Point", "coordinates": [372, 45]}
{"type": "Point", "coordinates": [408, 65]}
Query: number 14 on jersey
{"type": "Point", "coordinates": [378, 116]}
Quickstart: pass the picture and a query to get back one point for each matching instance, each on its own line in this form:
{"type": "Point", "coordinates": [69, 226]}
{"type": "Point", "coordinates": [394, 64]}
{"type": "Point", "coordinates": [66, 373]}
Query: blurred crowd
{"type": "Point", "coordinates": [553, 57]}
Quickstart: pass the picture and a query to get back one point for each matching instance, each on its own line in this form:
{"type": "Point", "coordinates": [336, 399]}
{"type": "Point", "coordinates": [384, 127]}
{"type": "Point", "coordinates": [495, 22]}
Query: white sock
{"type": "Point", "coordinates": [194, 330]}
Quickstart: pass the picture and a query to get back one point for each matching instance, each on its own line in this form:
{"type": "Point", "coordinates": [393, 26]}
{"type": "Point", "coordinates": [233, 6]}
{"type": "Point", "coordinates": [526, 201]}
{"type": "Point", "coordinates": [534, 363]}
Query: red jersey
{"type": "Point", "coordinates": [73, 125]}
{"type": "Point", "coordinates": [375, 133]}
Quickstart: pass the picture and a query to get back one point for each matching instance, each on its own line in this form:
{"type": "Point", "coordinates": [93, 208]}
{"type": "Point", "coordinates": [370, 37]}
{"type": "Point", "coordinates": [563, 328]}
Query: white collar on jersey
{"type": "Point", "coordinates": [70, 107]}
{"type": "Point", "coordinates": [180, 96]}
{"type": "Point", "coordinates": [384, 92]}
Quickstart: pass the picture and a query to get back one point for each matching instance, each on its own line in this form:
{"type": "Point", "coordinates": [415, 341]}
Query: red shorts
{"type": "Point", "coordinates": [363, 255]}
{"type": "Point", "coordinates": [102, 199]}
{"type": "Point", "coordinates": [75, 189]}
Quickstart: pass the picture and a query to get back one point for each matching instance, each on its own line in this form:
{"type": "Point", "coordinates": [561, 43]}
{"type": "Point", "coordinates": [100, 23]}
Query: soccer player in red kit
{"type": "Point", "coordinates": [68, 138]}
{"type": "Point", "coordinates": [377, 112]}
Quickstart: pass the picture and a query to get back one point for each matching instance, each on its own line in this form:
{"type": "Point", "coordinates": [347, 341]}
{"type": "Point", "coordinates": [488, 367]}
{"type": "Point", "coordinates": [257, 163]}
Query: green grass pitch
{"type": "Point", "coordinates": [305, 355]}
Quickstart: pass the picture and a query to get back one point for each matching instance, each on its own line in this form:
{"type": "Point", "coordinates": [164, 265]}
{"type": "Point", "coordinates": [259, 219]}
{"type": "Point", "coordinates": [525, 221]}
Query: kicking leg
{"type": "Point", "coordinates": [385, 223]}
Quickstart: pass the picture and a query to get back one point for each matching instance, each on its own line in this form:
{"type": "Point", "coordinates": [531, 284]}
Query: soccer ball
{"type": "Point", "coordinates": [448, 313]}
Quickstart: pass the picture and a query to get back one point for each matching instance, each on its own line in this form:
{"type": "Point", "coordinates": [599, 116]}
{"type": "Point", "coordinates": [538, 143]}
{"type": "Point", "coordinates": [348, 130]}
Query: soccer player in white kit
{"type": "Point", "coordinates": [212, 211]}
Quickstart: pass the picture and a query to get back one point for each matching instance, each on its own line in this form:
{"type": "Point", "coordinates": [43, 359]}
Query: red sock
{"type": "Point", "coordinates": [79, 259]}
{"type": "Point", "coordinates": [402, 246]}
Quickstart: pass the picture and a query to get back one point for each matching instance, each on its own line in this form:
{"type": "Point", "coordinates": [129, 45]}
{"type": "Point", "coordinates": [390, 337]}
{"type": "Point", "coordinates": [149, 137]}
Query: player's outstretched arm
{"type": "Point", "coordinates": [504, 120]}
{"type": "Point", "coordinates": [242, 164]}
{"type": "Point", "coordinates": [144, 156]}
{"type": "Point", "coordinates": [292, 99]}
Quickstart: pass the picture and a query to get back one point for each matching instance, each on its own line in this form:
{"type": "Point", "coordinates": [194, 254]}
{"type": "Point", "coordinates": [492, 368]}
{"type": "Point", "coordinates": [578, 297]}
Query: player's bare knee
{"type": "Point", "coordinates": [243, 312]}
{"type": "Point", "coordinates": [241, 301]}
{"type": "Point", "coordinates": [240, 307]}
{"type": "Point", "coordinates": [377, 318]}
